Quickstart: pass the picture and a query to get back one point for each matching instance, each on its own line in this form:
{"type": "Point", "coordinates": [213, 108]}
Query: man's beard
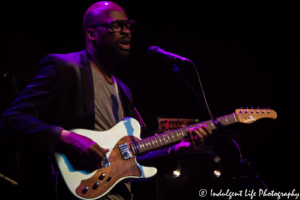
{"type": "Point", "coordinates": [121, 52]}
{"type": "Point", "coordinates": [114, 52]}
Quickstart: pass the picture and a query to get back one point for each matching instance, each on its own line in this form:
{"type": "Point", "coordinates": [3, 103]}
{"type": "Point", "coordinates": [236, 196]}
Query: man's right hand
{"type": "Point", "coordinates": [82, 152]}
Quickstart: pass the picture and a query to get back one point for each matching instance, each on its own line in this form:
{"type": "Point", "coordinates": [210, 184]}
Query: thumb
{"type": "Point", "coordinates": [106, 150]}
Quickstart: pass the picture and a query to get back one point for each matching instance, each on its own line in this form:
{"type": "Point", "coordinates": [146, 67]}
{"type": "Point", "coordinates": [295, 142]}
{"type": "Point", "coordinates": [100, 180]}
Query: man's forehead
{"type": "Point", "coordinates": [103, 11]}
{"type": "Point", "coordinates": [106, 13]}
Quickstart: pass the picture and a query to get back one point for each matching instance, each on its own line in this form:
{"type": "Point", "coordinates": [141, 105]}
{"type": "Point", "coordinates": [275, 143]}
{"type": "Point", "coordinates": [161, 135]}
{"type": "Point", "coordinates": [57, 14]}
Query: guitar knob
{"type": "Point", "coordinates": [101, 176]}
{"type": "Point", "coordinates": [85, 189]}
{"type": "Point", "coordinates": [95, 185]}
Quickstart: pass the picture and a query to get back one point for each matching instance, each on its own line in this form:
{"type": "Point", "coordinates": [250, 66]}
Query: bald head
{"type": "Point", "coordinates": [99, 12]}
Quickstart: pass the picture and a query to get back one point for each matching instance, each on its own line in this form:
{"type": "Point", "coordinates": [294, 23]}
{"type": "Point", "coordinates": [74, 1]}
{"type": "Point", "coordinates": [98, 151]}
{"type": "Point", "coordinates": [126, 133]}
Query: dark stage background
{"type": "Point", "coordinates": [247, 54]}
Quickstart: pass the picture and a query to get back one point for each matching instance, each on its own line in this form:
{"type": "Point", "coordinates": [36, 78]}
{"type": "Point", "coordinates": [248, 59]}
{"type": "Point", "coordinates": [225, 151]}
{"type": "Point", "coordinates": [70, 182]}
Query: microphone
{"type": "Point", "coordinates": [154, 50]}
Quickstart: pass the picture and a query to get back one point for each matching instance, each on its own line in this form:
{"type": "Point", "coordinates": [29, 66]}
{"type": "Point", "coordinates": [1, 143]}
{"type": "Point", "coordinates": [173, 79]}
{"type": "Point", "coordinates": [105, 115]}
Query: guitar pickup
{"type": "Point", "coordinates": [125, 151]}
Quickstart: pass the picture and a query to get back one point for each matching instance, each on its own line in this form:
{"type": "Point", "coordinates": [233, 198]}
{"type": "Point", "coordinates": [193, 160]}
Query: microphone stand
{"type": "Point", "coordinates": [244, 163]}
{"type": "Point", "coordinates": [178, 71]}
{"type": "Point", "coordinates": [14, 89]}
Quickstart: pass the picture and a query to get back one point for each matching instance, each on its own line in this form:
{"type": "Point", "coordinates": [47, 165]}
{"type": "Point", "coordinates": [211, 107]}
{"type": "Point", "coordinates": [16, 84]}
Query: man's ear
{"type": "Point", "coordinates": [90, 34]}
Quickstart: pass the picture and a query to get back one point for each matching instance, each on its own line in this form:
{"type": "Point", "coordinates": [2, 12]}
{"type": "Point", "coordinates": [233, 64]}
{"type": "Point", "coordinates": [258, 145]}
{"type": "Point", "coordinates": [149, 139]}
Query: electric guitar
{"type": "Point", "coordinates": [125, 144]}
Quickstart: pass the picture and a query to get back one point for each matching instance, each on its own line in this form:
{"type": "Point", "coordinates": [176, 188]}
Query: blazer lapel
{"type": "Point", "coordinates": [88, 89]}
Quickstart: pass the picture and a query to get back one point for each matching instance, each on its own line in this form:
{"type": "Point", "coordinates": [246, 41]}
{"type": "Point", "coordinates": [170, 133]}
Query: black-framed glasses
{"type": "Point", "coordinates": [117, 25]}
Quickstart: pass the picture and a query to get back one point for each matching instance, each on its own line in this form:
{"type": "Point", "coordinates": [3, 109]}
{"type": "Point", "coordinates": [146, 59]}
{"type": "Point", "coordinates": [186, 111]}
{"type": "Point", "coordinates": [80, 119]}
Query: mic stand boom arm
{"type": "Point", "coordinates": [177, 70]}
{"type": "Point", "coordinates": [243, 161]}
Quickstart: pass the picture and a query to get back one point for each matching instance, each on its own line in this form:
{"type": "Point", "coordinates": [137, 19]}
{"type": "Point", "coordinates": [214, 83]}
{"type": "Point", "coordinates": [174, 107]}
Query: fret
{"type": "Point", "coordinates": [146, 145]}
{"type": "Point", "coordinates": [156, 142]}
{"type": "Point", "coordinates": [226, 118]}
{"type": "Point", "coordinates": [152, 142]}
{"type": "Point", "coordinates": [168, 138]}
{"type": "Point", "coordinates": [160, 141]}
{"type": "Point", "coordinates": [181, 134]}
{"type": "Point", "coordinates": [137, 145]}
{"type": "Point", "coordinates": [173, 138]}
{"type": "Point", "coordinates": [134, 148]}
{"type": "Point", "coordinates": [164, 139]}
{"type": "Point", "coordinates": [234, 118]}
{"type": "Point", "coordinates": [177, 135]}
{"type": "Point", "coordinates": [142, 146]}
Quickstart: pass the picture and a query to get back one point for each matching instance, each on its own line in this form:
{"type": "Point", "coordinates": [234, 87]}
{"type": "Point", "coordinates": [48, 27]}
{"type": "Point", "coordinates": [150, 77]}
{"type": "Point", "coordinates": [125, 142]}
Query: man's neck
{"type": "Point", "coordinates": [104, 63]}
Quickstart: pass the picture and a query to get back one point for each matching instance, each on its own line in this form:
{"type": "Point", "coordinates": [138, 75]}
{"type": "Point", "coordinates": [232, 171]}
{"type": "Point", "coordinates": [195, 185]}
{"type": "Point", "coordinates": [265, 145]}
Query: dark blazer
{"type": "Point", "coordinates": [61, 96]}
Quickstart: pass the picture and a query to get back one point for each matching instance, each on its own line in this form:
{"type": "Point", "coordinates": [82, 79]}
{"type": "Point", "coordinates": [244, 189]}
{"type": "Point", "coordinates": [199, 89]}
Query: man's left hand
{"type": "Point", "coordinates": [195, 141]}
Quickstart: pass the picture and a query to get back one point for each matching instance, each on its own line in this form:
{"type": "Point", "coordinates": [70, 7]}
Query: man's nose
{"type": "Point", "coordinates": [125, 30]}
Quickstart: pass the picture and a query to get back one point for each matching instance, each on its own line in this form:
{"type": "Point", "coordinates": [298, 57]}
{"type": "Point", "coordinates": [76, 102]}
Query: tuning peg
{"type": "Point", "coordinates": [263, 107]}
{"type": "Point", "coordinates": [257, 107]}
{"type": "Point", "coordinates": [251, 107]}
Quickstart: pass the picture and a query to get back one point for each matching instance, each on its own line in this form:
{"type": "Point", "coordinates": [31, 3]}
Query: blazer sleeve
{"type": "Point", "coordinates": [159, 159]}
{"type": "Point", "coordinates": [26, 116]}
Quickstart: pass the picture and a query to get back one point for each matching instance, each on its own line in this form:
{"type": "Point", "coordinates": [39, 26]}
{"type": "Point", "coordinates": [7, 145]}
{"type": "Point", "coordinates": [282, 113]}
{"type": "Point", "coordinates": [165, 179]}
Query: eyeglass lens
{"type": "Point", "coordinates": [118, 25]}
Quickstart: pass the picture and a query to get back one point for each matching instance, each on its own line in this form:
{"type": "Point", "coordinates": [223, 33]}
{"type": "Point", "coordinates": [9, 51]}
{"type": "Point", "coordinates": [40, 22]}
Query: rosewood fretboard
{"type": "Point", "coordinates": [163, 139]}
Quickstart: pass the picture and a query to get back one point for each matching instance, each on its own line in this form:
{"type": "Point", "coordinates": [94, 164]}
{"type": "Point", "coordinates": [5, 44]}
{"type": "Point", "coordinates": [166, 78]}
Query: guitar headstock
{"type": "Point", "coordinates": [248, 116]}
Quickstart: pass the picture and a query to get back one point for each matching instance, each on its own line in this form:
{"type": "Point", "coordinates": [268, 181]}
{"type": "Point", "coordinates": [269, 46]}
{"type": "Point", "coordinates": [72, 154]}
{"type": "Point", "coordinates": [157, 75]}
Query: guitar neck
{"type": "Point", "coordinates": [166, 138]}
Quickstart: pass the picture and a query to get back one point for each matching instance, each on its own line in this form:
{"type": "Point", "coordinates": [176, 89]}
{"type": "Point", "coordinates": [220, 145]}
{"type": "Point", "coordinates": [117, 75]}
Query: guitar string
{"type": "Point", "coordinates": [229, 119]}
{"type": "Point", "coordinates": [208, 122]}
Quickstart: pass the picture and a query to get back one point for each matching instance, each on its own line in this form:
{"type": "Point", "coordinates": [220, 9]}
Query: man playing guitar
{"type": "Point", "coordinates": [79, 90]}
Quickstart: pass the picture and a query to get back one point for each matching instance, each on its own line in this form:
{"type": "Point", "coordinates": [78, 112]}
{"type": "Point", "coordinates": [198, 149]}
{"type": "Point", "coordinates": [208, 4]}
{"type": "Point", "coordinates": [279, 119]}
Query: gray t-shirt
{"type": "Point", "coordinates": [108, 107]}
{"type": "Point", "coordinates": [108, 112]}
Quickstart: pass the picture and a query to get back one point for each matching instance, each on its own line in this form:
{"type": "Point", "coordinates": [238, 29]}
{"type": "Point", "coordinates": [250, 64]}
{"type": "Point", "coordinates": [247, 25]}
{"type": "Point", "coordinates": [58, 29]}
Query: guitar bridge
{"type": "Point", "coordinates": [125, 151]}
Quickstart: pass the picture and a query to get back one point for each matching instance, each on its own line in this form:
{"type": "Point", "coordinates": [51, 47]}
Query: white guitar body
{"type": "Point", "coordinates": [123, 142]}
{"type": "Point", "coordinates": [105, 139]}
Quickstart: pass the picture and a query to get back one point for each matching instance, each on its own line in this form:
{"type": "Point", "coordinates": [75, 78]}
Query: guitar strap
{"type": "Point", "coordinates": [128, 108]}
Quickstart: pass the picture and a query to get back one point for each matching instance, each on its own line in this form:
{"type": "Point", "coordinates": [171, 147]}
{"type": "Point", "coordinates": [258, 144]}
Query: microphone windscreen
{"type": "Point", "coordinates": [152, 50]}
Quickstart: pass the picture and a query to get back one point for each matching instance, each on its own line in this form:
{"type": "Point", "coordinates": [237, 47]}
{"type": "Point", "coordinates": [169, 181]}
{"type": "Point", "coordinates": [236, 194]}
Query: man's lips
{"type": "Point", "coordinates": [125, 44]}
